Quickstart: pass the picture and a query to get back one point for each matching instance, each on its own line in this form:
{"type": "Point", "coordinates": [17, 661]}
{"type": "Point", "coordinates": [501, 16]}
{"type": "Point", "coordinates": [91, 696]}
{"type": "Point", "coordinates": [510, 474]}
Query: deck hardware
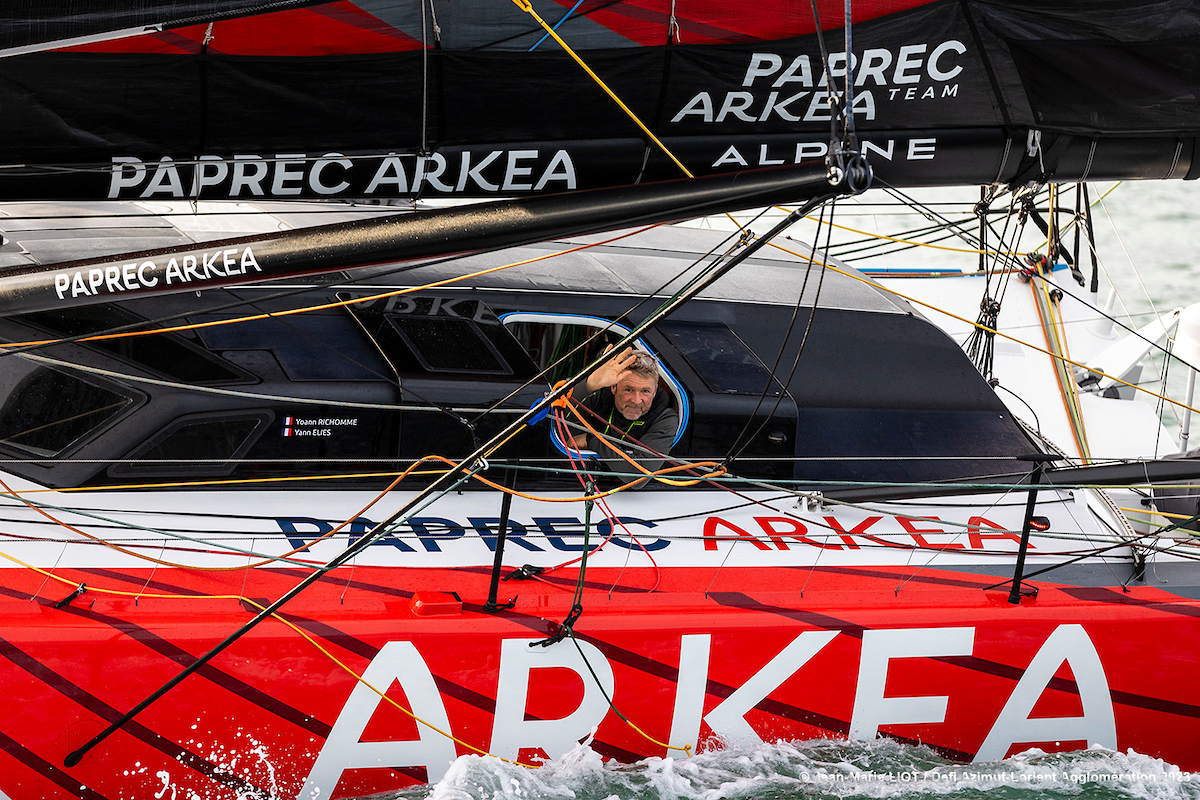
{"type": "Point", "coordinates": [492, 605]}
{"type": "Point", "coordinates": [524, 573]}
{"type": "Point", "coordinates": [1035, 478]}
{"type": "Point", "coordinates": [80, 589]}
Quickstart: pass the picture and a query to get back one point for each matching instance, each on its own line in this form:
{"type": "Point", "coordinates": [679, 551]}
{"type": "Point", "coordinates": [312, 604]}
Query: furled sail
{"type": "Point", "coordinates": [403, 98]}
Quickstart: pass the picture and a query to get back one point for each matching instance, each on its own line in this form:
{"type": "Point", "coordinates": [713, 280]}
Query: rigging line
{"type": "Point", "coordinates": [462, 471]}
{"type": "Point", "coordinates": [17, 348]}
{"type": "Point", "coordinates": [48, 575]}
{"type": "Point", "coordinates": [107, 543]}
{"type": "Point", "coordinates": [277, 617]}
{"type": "Point", "coordinates": [623, 317]}
{"type": "Point", "coordinates": [292, 479]}
{"type": "Point", "coordinates": [1011, 265]}
{"type": "Point", "coordinates": [965, 529]}
{"type": "Point", "coordinates": [1156, 513]}
{"type": "Point", "coordinates": [1075, 219]}
{"type": "Point", "coordinates": [1045, 308]}
{"type": "Point", "coordinates": [527, 7]}
{"type": "Point", "coordinates": [679, 466]}
{"type": "Point", "coordinates": [1165, 351]}
{"type": "Point", "coordinates": [959, 229]}
{"type": "Point", "coordinates": [966, 321]}
{"type": "Point", "coordinates": [390, 700]}
{"type": "Point", "coordinates": [1091, 554]}
{"type": "Point", "coordinates": [773, 371]}
{"type": "Point", "coordinates": [685, 749]}
{"type": "Point", "coordinates": [126, 526]}
{"type": "Point", "coordinates": [803, 339]}
{"type": "Point", "coordinates": [877, 245]}
{"type": "Point", "coordinates": [908, 242]}
{"type": "Point", "coordinates": [1137, 273]}
{"type": "Point", "coordinates": [124, 376]}
{"type": "Point", "coordinates": [1069, 508]}
{"type": "Point", "coordinates": [224, 482]}
{"type": "Point", "coordinates": [1036, 421]}
{"type": "Point", "coordinates": [561, 20]}
{"type": "Point", "coordinates": [1159, 407]}
{"type": "Point", "coordinates": [907, 238]}
{"type": "Point", "coordinates": [613, 520]}
{"type": "Point", "coordinates": [495, 44]}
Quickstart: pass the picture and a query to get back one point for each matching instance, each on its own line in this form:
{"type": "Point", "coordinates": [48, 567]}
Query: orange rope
{"type": "Point", "coordinates": [657, 474]}
{"type": "Point", "coordinates": [326, 306]}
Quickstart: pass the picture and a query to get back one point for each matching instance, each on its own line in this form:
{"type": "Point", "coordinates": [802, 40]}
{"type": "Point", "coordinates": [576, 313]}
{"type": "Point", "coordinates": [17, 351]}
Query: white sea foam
{"type": "Point", "coordinates": [819, 770]}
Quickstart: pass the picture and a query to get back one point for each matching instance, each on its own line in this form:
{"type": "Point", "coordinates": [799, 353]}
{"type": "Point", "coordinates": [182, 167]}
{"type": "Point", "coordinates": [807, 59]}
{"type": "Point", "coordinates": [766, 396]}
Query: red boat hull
{"type": "Point", "coordinates": [939, 659]}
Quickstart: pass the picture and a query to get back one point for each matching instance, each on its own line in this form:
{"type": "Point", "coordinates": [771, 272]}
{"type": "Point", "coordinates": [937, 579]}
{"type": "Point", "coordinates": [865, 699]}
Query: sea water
{"type": "Point", "coordinates": [1147, 239]}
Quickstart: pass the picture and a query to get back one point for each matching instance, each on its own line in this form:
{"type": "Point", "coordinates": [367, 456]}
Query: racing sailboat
{"type": "Point", "coordinates": [280, 516]}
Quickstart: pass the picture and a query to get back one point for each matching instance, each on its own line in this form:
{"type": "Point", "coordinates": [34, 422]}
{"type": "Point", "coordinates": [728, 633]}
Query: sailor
{"type": "Point", "coordinates": [632, 415]}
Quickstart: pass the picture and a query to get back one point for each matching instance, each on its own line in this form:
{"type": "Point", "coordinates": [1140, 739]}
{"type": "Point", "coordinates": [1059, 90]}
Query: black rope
{"type": "Point", "coordinates": [567, 626]}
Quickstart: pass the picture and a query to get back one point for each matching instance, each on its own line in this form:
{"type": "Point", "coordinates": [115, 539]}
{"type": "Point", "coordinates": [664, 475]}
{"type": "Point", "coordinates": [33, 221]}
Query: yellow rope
{"type": "Point", "coordinates": [326, 306]}
{"type": "Point", "coordinates": [527, 7]}
{"type": "Point", "coordinates": [1056, 341]}
{"type": "Point", "coordinates": [1148, 512]}
{"type": "Point", "coordinates": [687, 748]}
{"type": "Point", "coordinates": [357, 677]}
{"type": "Point", "coordinates": [930, 245]}
{"type": "Point", "coordinates": [984, 328]}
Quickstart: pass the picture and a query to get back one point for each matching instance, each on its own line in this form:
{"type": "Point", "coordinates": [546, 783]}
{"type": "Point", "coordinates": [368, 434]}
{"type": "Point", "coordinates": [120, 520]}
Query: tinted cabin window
{"type": "Point", "coordinates": [196, 447]}
{"type": "Point", "coordinates": [48, 411]}
{"type": "Point", "coordinates": [165, 353]}
{"type": "Point", "coordinates": [446, 344]}
{"type": "Point", "coordinates": [298, 442]}
{"type": "Point", "coordinates": [444, 336]}
{"type": "Point", "coordinates": [309, 347]}
{"type": "Point", "coordinates": [720, 358]}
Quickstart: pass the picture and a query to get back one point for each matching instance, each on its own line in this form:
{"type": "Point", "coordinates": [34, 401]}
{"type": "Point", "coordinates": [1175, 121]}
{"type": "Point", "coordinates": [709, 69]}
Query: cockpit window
{"type": "Point", "coordinates": [309, 347]}
{"type": "Point", "coordinates": [203, 446]}
{"type": "Point", "coordinates": [49, 410]}
{"type": "Point", "coordinates": [441, 335]}
{"type": "Point", "coordinates": [446, 344]}
{"type": "Point", "coordinates": [167, 354]}
{"type": "Point", "coordinates": [720, 358]}
{"type": "Point", "coordinates": [562, 344]}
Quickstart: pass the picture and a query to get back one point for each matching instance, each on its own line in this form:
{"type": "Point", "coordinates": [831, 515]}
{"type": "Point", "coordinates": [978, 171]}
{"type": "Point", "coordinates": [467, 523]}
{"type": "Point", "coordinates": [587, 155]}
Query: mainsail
{"type": "Point", "coordinates": [410, 98]}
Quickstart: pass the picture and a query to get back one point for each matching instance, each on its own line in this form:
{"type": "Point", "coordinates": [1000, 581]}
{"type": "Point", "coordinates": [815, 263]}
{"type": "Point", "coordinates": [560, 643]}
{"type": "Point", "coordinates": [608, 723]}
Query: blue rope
{"type": "Point", "coordinates": [554, 27]}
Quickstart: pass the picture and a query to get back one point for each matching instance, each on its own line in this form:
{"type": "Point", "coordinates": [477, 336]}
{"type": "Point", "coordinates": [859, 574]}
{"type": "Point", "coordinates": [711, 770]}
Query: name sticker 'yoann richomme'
{"type": "Point", "coordinates": [316, 426]}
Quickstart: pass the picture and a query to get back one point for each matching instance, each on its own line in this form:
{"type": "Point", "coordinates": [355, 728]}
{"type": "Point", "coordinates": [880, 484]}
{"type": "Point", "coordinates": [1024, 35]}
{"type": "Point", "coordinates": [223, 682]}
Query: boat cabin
{"type": "Point", "coordinates": [237, 388]}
